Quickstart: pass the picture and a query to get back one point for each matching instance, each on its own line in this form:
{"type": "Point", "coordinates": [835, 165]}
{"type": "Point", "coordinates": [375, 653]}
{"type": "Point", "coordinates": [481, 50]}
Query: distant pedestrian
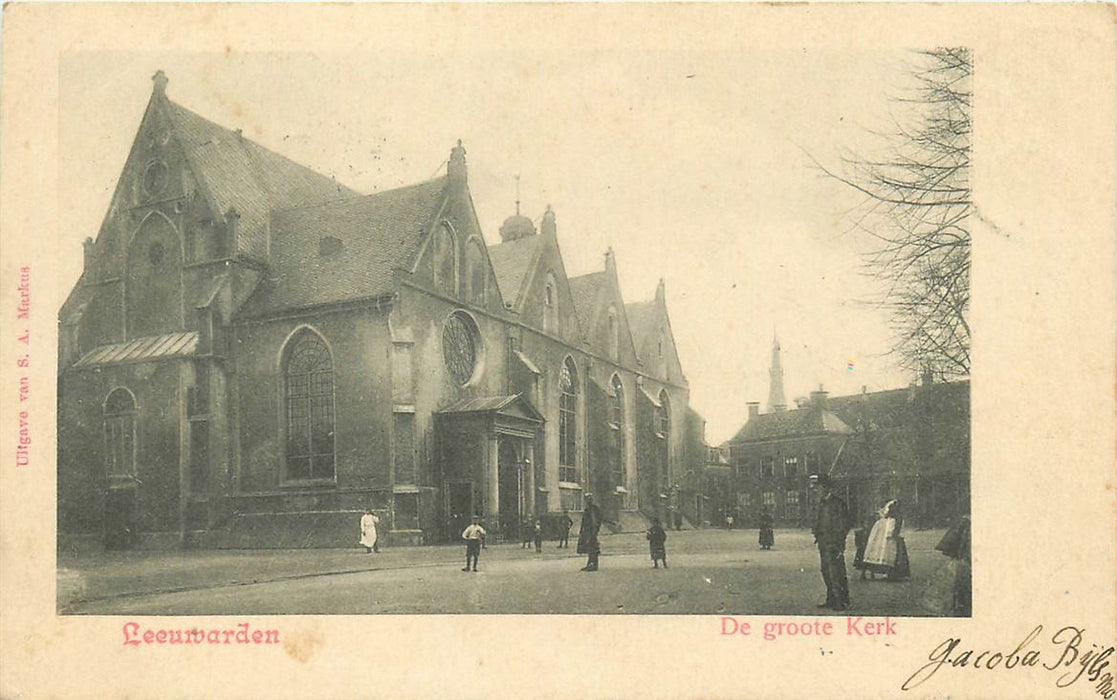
{"type": "Point", "coordinates": [657, 543]}
{"type": "Point", "coordinates": [885, 551]}
{"type": "Point", "coordinates": [767, 534]}
{"type": "Point", "coordinates": [369, 521]}
{"type": "Point", "coordinates": [527, 532]}
{"type": "Point", "coordinates": [830, 530]}
{"type": "Point", "coordinates": [729, 522]}
{"type": "Point", "coordinates": [587, 534]}
{"type": "Point", "coordinates": [565, 523]}
{"type": "Point", "coordinates": [474, 536]}
{"type": "Point", "coordinates": [538, 536]}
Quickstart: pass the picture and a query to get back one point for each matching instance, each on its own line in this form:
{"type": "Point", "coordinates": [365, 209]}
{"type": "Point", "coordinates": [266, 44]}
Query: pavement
{"type": "Point", "coordinates": [712, 572]}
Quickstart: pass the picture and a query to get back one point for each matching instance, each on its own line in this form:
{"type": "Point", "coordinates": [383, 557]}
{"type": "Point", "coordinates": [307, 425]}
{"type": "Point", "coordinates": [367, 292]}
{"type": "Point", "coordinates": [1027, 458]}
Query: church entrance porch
{"type": "Point", "coordinates": [488, 443]}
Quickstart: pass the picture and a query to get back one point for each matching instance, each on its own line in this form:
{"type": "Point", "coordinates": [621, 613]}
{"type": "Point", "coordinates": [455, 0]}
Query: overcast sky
{"type": "Point", "coordinates": [692, 165]}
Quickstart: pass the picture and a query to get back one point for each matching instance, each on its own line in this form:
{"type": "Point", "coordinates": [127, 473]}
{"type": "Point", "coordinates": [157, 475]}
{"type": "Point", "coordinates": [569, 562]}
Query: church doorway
{"type": "Point", "coordinates": [510, 491]}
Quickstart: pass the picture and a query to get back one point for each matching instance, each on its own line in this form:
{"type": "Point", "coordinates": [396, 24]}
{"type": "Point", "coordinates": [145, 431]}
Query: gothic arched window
{"type": "Point", "coordinates": [614, 334]}
{"type": "Point", "coordinates": [550, 304]}
{"type": "Point", "coordinates": [617, 423]}
{"type": "Point", "coordinates": [308, 375]}
{"type": "Point", "coordinates": [475, 272]}
{"type": "Point", "coordinates": [568, 423]}
{"type": "Point", "coordinates": [445, 259]}
{"type": "Point", "coordinates": [120, 434]}
{"type": "Point", "coordinates": [663, 415]}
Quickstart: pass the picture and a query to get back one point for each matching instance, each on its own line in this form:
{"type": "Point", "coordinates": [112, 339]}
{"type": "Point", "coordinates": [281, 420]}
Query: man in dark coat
{"type": "Point", "coordinates": [830, 530]}
{"type": "Point", "coordinates": [587, 534]}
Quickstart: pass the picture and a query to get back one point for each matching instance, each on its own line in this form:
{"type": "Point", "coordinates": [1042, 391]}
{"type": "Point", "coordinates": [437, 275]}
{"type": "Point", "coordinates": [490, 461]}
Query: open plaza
{"type": "Point", "coordinates": [712, 572]}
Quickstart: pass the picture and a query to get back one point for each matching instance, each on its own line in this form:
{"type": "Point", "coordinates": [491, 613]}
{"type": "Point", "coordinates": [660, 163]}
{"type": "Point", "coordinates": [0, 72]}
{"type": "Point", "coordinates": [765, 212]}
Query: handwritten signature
{"type": "Point", "coordinates": [1065, 654]}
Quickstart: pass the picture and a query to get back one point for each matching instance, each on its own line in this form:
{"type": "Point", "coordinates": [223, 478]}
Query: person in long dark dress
{"type": "Point", "coordinates": [657, 543]}
{"type": "Point", "coordinates": [767, 534]}
{"type": "Point", "coordinates": [588, 543]}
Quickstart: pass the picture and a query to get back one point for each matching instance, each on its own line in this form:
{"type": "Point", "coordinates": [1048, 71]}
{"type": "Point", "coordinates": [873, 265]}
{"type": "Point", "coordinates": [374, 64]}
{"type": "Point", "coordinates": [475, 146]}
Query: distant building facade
{"type": "Point", "coordinates": [254, 354]}
{"type": "Point", "coordinates": [911, 444]}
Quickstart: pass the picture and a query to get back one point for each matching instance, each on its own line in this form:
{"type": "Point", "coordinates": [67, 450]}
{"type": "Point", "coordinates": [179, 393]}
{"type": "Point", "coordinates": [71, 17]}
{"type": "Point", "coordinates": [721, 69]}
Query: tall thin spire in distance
{"type": "Point", "coordinates": [776, 400]}
{"type": "Point", "coordinates": [517, 195]}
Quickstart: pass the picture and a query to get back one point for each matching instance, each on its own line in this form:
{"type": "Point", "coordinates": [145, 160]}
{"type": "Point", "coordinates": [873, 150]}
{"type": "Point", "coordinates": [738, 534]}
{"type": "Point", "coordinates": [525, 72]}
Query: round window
{"type": "Point", "coordinates": [155, 177]}
{"type": "Point", "coordinates": [460, 347]}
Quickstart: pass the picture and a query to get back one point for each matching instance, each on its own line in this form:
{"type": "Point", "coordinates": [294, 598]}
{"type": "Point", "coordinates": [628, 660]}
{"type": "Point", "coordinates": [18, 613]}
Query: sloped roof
{"type": "Point", "coordinates": [375, 235]}
{"type": "Point", "coordinates": [494, 404]}
{"type": "Point", "coordinates": [796, 423]}
{"type": "Point", "coordinates": [586, 291]}
{"type": "Point", "coordinates": [512, 261]}
{"type": "Point", "coordinates": [242, 174]}
{"type": "Point", "coordinates": [142, 349]}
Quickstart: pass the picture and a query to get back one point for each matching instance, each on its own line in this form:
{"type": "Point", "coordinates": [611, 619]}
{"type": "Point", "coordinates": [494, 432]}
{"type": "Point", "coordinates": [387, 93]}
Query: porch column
{"type": "Point", "coordinates": [492, 497]}
{"type": "Point", "coordinates": [529, 478]}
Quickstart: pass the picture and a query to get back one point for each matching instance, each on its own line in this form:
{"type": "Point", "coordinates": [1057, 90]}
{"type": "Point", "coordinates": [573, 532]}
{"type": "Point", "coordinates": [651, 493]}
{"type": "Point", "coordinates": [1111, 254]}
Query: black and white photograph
{"type": "Point", "coordinates": [756, 358]}
{"type": "Point", "coordinates": [489, 337]}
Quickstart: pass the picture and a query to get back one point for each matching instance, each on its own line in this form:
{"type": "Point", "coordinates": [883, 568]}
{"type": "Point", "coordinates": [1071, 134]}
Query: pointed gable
{"type": "Point", "coordinates": [654, 340]}
{"type": "Point", "coordinates": [512, 262]}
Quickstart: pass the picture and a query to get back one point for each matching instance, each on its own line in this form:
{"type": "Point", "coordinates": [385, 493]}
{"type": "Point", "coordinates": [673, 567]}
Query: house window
{"type": "Point", "coordinates": [767, 466]}
{"type": "Point", "coordinates": [744, 500]}
{"type": "Point", "coordinates": [790, 466]}
{"type": "Point", "coordinates": [568, 424]}
{"type": "Point", "coordinates": [768, 498]}
{"type": "Point", "coordinates": [445, 259]}
{"type": "Point", "coordinates": [792, 502]}
{"type": "Point", "coordinates": [475, 272]}
{"type": "Point", "coordinates": [120, 434]}
{"type": "Point", "coordinates": [309, 395]}
{"type": "Point", "coordinates": [663, 416]}
{"type": "Point", "coordinates": [617, 423]}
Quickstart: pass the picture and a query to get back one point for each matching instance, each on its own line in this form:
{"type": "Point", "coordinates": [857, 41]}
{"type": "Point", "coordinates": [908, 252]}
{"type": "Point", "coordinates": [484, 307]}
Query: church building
{"type": "Point", "coordinates": [254, 354]}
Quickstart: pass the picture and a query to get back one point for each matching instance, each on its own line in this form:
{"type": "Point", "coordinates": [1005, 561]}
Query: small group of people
{"type": "Point", "coordinates": [880, 546]}
{"type": "Point", "coordinates": [588, 544]}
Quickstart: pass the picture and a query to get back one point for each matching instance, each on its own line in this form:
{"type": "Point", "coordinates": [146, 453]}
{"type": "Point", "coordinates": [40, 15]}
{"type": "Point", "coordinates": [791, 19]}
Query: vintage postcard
{"type": "Point", "coordinates": [618, 351]}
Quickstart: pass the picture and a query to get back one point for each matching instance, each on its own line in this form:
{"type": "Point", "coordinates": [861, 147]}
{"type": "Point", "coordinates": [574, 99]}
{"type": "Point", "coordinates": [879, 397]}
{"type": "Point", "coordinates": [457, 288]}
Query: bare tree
{"type": "Point", "coordinates": [916, 209]}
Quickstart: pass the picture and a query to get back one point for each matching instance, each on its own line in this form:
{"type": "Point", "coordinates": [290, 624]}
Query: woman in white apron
{"type": "Point", "coordinates": [368, 532]}
{"type": "Point", "coordinates": [885, 552]}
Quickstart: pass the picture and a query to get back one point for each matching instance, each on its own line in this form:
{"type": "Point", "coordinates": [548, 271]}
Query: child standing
{"type": "Point", "coordinates": [538, 534]}
{"type": "Point", "coordinates": [657, 544]}
{"type": "Point", "coordinates": [473, 535]}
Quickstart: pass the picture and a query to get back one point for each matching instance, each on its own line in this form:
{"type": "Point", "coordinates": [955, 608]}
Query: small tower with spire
{"type": "Point", "coordinates": [776, 400]}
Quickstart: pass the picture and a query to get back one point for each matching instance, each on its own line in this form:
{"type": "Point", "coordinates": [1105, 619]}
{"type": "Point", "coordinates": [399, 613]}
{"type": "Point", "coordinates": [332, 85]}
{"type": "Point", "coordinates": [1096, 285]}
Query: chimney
{"type": "Point", "coordinates": [754, 409]}
{"type": "Point", "coordinates": [660, 291]}
{"type": "Point", "coordinates": [456, 168]}
{"type": "Point", "coordinates": [610, 261]}
{"type": "Point", "coordinates": [87, 246]}
{"type": "Point", "coordinates": [159, 81]}
{"type": "Point", "coordinates": [547, 226]}
{"type": "Point", "coordinates": [818, 398]}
